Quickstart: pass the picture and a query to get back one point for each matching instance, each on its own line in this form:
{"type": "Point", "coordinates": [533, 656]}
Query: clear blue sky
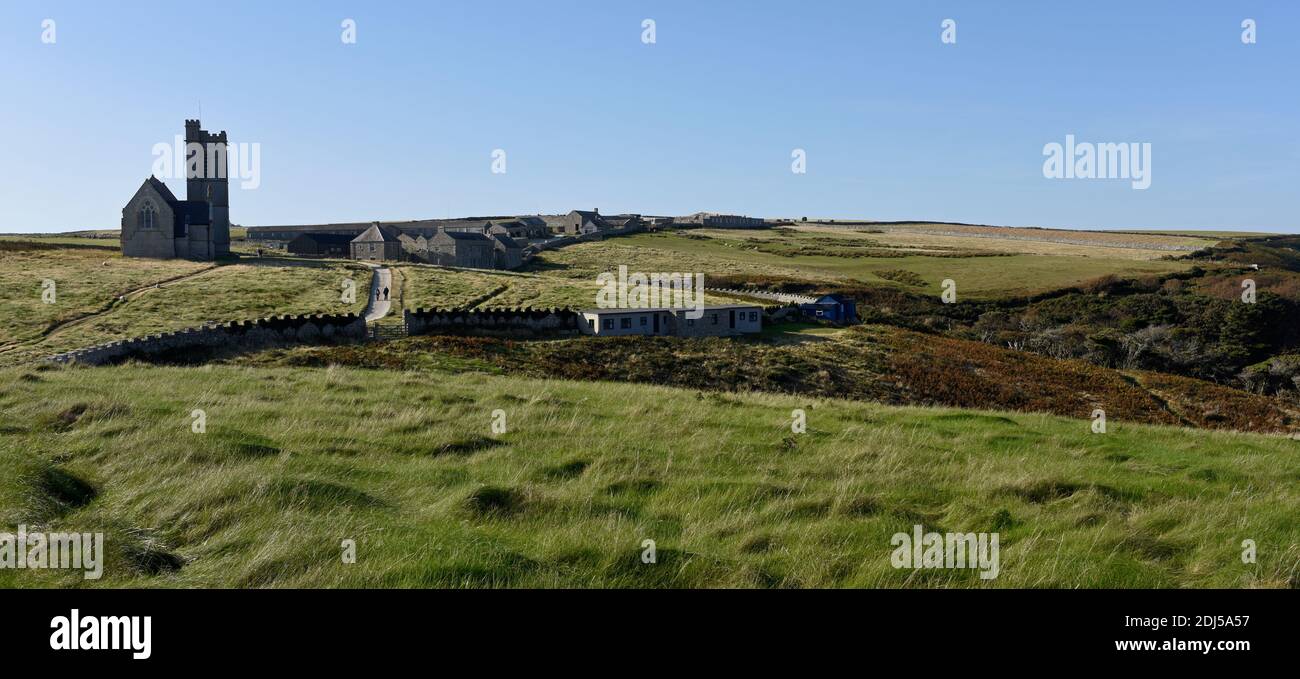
{"type": "Point", "coordinates": [896, 124]}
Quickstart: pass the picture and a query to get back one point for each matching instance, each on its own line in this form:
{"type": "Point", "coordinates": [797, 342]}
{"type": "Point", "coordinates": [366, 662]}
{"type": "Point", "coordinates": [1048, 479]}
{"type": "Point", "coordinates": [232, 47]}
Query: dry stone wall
{"type": "Point", "coordinates": [253, 334]}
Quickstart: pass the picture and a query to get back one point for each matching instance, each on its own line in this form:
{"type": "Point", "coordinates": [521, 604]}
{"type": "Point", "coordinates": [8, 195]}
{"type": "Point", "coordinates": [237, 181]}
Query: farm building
{"type": "Point", "coordinates": [731, 319]}
{"type": "Point", "coordinates": [834, 308]}
{"type": "Point", "coordinates": [320, 245]}
{"type": "Point", "coordinates": [520, 229]}
{"type": "Point", "coordinates": [713, 220]}
{"type": "Point", "coordinates": [509, 254]}
{"type": "Point", "coordinates": [377, 244]}
{"type": "Point", "coordinates": [472, 249]}
{"type": "Point", "coordinates": [578, 222]}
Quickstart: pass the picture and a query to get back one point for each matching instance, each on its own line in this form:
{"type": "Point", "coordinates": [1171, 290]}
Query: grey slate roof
{"type": "Point", "coordinates": [162, 189]}
{"type": "Point", "coordinates": [506, 241]}
{"type": "Point", "coordinates": [377, 233]}
{"type": "Point", "coordinates": [325, 238]}
{"type": "Point", "coordinates": [468, 235]}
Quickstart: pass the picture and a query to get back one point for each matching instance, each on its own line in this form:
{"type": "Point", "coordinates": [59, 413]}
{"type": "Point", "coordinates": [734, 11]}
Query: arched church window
{"type": "Point", "coordinates": [148, 215]}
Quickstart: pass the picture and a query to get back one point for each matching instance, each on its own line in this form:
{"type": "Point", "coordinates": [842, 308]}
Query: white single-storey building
{"type": "Point", "coordinates": [727, 319]}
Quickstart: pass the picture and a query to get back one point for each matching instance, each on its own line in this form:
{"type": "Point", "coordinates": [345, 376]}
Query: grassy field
{"type": "Point", "coordinates": [432, 286]}
{"type": "Point", "coordinates": [405, 465]}
{"type": "Point", "coordinates": [104, 297]}
{"type": "Point", "coordinates": [74, 239]}
{"type": "Point", "coordinates": [1156, 241]}
{"type": "Point", "coordinates": [86, 280]}
{"type": "Point", "coordinates": [851, 256]}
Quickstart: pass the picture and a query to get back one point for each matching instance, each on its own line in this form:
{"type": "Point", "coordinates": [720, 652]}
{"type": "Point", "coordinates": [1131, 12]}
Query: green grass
{"type": "Point", "coordinates": [88, 297]}
{"type": "Point", "coordinates": [406, 465]}
{"type": "Point", "coordinates": [431, 286]}
{"type": "Point", "coordinates": [86, 280]}
{"type": "Point", "coordinates": [84, 241]}
{"type": "Point", "coordinates": [976, 276]}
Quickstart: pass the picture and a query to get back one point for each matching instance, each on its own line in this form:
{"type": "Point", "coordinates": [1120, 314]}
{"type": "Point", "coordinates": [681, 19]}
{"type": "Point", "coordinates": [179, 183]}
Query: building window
{"type": "Point", "coordinates": [644, 320]}
{"type": "Point", "coordinates": [624, 323]}
{"type": "Point", "coordinates": [753, 316]}
{"type": "Point", "coordinates": [147, 218]}
{"type": "Point", "coordinates": [591, 324]}
{"type": "Point", "coordinates": [609, 324]}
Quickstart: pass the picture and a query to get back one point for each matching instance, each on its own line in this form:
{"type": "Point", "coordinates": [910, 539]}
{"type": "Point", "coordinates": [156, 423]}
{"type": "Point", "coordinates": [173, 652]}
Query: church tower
{"type": "Point", "coordinates": [207, 179]}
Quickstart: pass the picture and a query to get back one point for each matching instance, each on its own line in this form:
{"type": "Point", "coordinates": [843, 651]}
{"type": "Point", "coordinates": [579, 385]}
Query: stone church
{"type": "Point", "coordinates": [156, 224]}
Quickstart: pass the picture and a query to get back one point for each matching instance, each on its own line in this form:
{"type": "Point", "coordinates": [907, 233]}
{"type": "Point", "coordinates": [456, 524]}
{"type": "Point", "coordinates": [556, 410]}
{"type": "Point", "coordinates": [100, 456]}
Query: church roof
{"type": "Point", "coordinates": [162, 189]}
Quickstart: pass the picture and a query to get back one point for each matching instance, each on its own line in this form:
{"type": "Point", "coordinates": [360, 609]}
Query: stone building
{"type": "Point", "coordinates": [524, 228]}
{"type": "Point", "coordinates": [578, 222]}
{"type": "Point", "coordinates": [726, 319]}
{"type": "Point", "coordinates": [713, 220]}
{"type": "Point", "coordinates": [156, 224]}
{"type": "Point", "coordinates": [320, 245]}
{"type": "Point", "coordinates": [471, 249]}
{"type": "Point", "coordinates": [377, 244]}
{"type": "Point", "coordinates": [508, 253]}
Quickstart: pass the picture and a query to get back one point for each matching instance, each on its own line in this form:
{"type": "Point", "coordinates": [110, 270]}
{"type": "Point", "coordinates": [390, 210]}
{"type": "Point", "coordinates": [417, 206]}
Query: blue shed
{"type": "Point", "coordinates": [834, 308]}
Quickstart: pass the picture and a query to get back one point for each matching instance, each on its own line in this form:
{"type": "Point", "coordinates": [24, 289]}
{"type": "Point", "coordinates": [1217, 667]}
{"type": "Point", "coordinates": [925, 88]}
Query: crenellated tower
{"type": "Point", "coordinates": [207, 179]}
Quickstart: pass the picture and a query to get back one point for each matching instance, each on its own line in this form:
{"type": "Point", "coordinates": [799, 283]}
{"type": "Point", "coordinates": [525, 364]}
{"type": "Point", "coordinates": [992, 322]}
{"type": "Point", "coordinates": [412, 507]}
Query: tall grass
{"type": "Point", "coordinates": [294, 461]}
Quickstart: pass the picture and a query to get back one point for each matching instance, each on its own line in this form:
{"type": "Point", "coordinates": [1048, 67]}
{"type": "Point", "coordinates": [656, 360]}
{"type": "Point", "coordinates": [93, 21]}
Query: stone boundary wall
{"type": "Point", "coordinates": [782, 297]}
{"type": "Point", "coordinates": [246, 334]}
{"type": "Point", "coordinates": [525, 322]}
